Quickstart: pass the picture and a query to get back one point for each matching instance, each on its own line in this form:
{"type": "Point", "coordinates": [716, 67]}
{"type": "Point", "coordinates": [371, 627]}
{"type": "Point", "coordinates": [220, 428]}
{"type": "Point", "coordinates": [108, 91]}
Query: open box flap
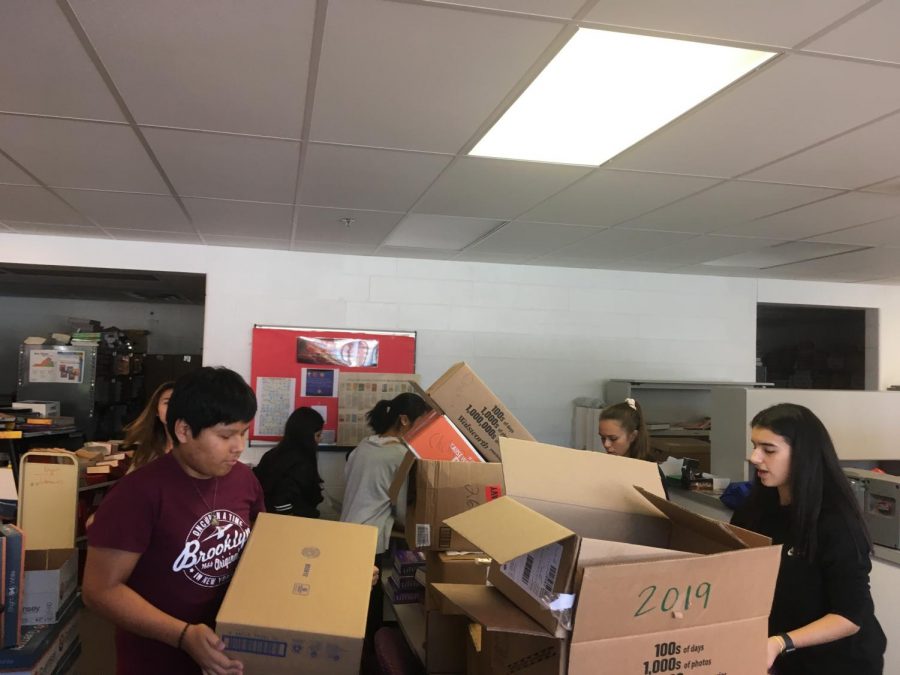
{"type": "Point", "coordinates": [599, 552]}
{"type": "Point", "coordinates": [490, 608]}
{"type": "Point", "coordinates": [48, 498]}
{"type": "Point", "coordinates": [400, 476]}
{"type": "Point", "coordinates": [592, 480]}
{"type": "Point", "coordinates": [505, 529]}
{"type": "Point", "coordinates": [620, 600]}
{"type": "Point", "coordinates": [699, 534]}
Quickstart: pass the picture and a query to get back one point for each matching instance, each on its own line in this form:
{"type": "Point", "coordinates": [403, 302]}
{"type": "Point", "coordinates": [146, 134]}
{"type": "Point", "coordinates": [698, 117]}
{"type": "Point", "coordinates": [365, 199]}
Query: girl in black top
{"type": "Point", "coordinates": [289, 472]}
{"type": "Point", "coordinates": [823, 619]}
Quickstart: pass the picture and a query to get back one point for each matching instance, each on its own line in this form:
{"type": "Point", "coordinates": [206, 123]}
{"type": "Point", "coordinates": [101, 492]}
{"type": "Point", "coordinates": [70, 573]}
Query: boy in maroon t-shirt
{"type": "Point", "coordinates": [166, 541]}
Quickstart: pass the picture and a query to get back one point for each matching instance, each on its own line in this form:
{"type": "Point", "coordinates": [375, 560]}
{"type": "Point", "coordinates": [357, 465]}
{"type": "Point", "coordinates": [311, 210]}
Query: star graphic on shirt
{"type": "Point", "coordinates": [220, 531]}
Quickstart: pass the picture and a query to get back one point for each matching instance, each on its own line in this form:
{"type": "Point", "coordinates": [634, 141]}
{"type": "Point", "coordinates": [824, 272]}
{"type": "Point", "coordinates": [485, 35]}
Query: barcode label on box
{"type": "Point", "coordinates": [423, 535]}
{"type": "Point", "coordinates": [236, 643]}
{"type": "Point", "coordinates": [445, 536]}
{"type": "Point", "coordinates": [536, 572]}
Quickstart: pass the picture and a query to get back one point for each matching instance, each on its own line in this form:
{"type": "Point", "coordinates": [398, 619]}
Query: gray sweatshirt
{"type": "Point", "coordinates": [369, 473]}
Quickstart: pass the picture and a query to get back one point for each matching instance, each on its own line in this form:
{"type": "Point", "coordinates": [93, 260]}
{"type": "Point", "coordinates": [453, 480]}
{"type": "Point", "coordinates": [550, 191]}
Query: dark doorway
{"type": "Point", "coordinates": [804, 347]}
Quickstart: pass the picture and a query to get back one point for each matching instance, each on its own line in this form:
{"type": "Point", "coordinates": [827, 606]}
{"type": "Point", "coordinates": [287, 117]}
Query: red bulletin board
{"type": "Point", "coordinates": [279, 378]}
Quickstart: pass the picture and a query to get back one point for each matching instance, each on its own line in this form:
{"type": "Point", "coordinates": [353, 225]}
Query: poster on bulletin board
{"type": "Point", "coordinates": [292, 367]}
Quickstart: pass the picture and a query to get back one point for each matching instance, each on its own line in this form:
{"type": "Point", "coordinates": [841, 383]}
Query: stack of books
{"type": "Point", "coordinates": [403, 587]}
{"type": "Point", "coordinates": [85, 338]}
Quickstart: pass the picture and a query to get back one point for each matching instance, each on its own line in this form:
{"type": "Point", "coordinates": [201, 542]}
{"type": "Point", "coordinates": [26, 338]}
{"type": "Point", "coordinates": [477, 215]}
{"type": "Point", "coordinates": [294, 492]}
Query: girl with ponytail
{"type": "Point", "coordinates": [624, 433]}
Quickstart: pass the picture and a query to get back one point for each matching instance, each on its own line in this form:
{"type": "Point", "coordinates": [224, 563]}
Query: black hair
{"type": "Point", "coordinates": [631, 419]}
{"type": "Point", "coordinates": [209, 396]}
{"type": "Point", "coordinates": [383, 417]}
{"type": "Point", "coordinates": [300, 432]}
{"type": "Point", "coordinates": [816, 479]}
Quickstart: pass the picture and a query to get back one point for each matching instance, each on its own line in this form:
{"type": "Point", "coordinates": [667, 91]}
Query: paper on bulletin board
{"type": "Point", "coordinates": [319, 382]}
{"type": "Point", "coordinates": [358, 394]}
{"type": "Point", "coordinates": [275, 403]}
{"type": "Point", "coordinates": [51, 366]}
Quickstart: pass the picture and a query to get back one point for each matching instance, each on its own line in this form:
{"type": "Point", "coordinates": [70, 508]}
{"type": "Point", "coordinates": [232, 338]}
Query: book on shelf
{"type": "Point", "coordinates": [61, 421]}
{"type": "Point", "coordinates": [10, 433]}
{"type": "Point", "coordinates": [13, 582]}
{"type": "Point", "coordinates": [658, 426]}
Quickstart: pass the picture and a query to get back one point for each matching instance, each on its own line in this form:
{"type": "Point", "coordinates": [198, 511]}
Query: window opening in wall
{"type": "Point", "coordinates": [812, 347]}
{"type": "Point", "coordinates": [159, 319]}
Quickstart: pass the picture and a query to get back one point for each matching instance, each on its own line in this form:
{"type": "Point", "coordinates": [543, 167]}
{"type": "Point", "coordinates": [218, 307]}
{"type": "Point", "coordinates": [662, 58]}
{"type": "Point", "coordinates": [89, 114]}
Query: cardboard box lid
{"type": "Point", "coordinates": [490, 608]}
{"type": "Point", "coordinates": [591, 493]}
{"type": "Point", "coordinates": [505, 529]}
{"type": "Point", "coordinates": [304, 575]}
{"type": "Point", "coordinates": [48, 498]}
{"type": "Point", "coordinates": [619, 600]}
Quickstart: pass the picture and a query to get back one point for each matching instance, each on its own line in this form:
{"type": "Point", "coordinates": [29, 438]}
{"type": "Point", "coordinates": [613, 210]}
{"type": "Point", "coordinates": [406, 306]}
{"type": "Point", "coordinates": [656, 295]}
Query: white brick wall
{"type": "Point", "coordinates": [539, 336]}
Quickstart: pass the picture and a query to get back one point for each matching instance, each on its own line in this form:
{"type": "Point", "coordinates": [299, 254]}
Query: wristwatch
{"type": "Point", "coordinates": [788, 643]}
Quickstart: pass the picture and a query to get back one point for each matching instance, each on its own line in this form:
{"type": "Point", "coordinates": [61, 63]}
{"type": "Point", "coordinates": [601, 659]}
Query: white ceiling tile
{"type": "Point", "coordinates": [35, 204]}
{"type": "Point", "coordinates": [473, 255]}
{"type": "Point", "coordinates": [366, 178]}
{"type": "Point", "coordinates": [124, 210]}
{"type": "Point", "coordinates": [223, 65]}
{"type": "Point", "coordinates": [871, 34]}
{"type": "Point", "coordinates": [888, 187]}
{"type": "Point", "coordinates": [884, 232]}
{"type": "Point", "coordinates": [56, 230]}
{"type": "Point", "coordinates": [845, 210]}
{"type": "Point", "coordinates": [10, 173]}
{"type": "Point", "coordinates": [614, 246]}
{"type": "Point", "coordinates": [241, 219]}
{"type": "Point", "coordinates": [162, 237]}
{"type": "Point", "coordinates": [609, 197]}
{"type": "Point", "coordinates": [780, 254]}
{"type": "Point", "coordinates": [68, 153]}
{"type": "Point", "coordinates": [727, 204]}
{"type": "Point", "coordinates": [421, 230]}
{"type": "Point", "coordinates": [419, 253]}
{"type": "Point", "coordinates": [522, 240]}
{"type": "Point", "coordinates": [772, 22]}
{"type": "Point", "coordinates": [230, 167]}
{"type": "Point", "coordinates": [867, 155]}
{"type": "Point", "coordinates": [794, 103]}
{"type": "Point", "coordinates": [248, 242]}
{"type": "Point", "coordinates": [495, 188]}
{"type": "Point", "coordinates": [703, 248]}
{"type": "Point", "coordinates": [53, 74]}
{"type": "Point", "coordinates": [318, 224]}
{"type": "Point", "coordinates": [560, 9]}
{"type": "Point", "coordinates": [391, 73]}
{"type": "Point", "coordinates": [866, 265]}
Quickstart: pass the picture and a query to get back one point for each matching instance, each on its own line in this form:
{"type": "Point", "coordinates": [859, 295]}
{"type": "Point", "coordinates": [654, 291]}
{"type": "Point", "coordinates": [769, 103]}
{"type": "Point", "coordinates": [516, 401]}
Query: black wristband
{"type": "Point", "coordinates": [181, 637]}
{"type": "Point", "coordinates": [788, 643]}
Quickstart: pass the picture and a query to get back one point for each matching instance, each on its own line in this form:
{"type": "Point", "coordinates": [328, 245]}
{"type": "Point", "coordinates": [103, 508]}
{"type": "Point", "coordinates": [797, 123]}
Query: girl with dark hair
{"type": "Point", "coordinates": [372, 464]}
{"type": "Point", "coordinates": [147, 434]}
{"type": "Point", "coordinates": [369, 473]}
{"type": "Point", "coordinates": [624, 433]}
{"type": "Point", "coordinates": [289, 472]}
{"type": "Point", "coordinates": [823, 619]}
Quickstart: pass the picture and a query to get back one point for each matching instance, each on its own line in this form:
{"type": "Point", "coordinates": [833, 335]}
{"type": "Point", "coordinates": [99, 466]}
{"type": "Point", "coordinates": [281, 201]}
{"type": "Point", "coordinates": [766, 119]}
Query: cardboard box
{"type": "Point", "coordinates": [42, 408]}
{"type": "Point", "coordinates": [48, 498]}
{"type": "Point", "coordinates": [503, 639]}
{"type": "Point", "coordinates": [51, 577]}
{"type": "Point", "coordinates": [299, 598]}
{"type": "Point", "coordinates": [453, 568]}
{"type": "Point", "coordinates": [439, 490]}
{"type": "Point", "coordinates": [445, 643]}
{"type": "Point", "coordinates": [475, 410]}
{"type": "Point", "coordinates": [44, 648]}
{"type": "Point", "coordinates": [433, 436]}
{"type": "Point", "coordinates": [680, 447]}
{"type": "Point", "coordinates": [698, 599]}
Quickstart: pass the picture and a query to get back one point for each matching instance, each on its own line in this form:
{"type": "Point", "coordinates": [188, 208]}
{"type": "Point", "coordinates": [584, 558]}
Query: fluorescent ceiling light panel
{"type": "Point", "coordinates": [448, 233]}
{"type": "Point", "coordinates": [605, 91]}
